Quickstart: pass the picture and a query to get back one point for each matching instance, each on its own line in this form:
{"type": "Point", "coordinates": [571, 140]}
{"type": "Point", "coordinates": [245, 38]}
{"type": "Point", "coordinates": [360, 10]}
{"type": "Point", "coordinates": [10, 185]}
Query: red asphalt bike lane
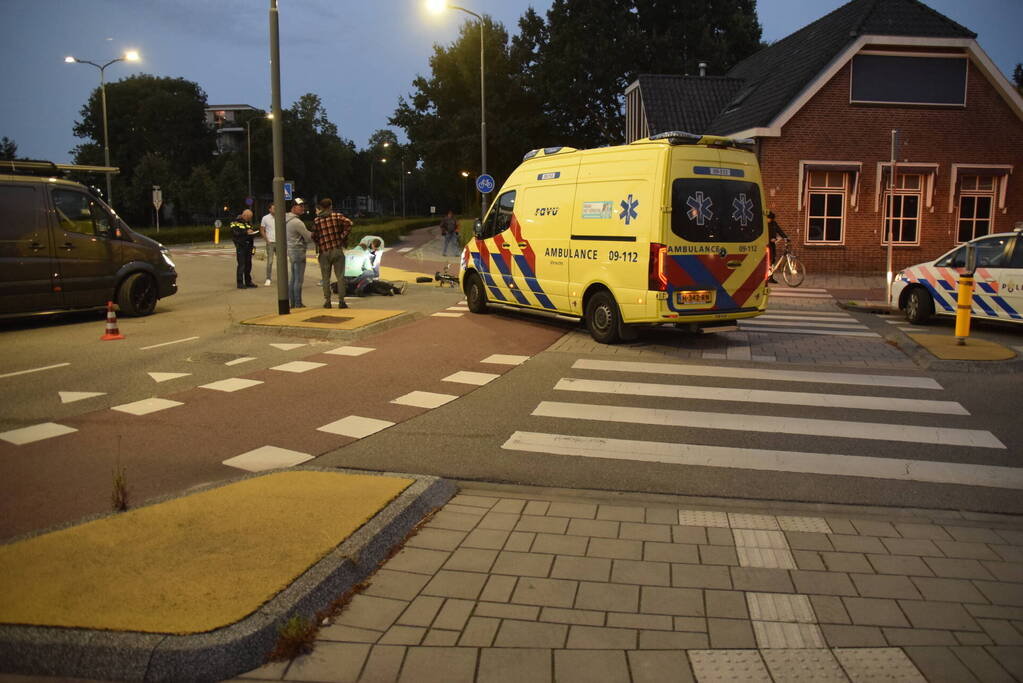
{"type": "Point", "coordinates": [65, 478]}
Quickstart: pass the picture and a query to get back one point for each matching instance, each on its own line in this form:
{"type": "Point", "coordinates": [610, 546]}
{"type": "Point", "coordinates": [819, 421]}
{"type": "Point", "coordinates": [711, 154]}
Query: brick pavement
{"type": "Point", "coordinates": [515, 584]}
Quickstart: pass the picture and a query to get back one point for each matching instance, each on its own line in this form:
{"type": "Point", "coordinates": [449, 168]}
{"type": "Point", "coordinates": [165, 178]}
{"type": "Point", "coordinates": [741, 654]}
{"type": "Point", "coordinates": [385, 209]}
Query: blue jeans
{"type": "Point", "coordinates": [297, 259]}
{"type": "Point", "coordinates": [271, 255]}
{"type": "Point", "coordinates": [451, 239]}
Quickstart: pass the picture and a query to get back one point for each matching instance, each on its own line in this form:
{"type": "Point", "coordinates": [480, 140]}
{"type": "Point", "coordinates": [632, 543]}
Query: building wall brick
{"type": "Point", "coordinates": [828, 127]}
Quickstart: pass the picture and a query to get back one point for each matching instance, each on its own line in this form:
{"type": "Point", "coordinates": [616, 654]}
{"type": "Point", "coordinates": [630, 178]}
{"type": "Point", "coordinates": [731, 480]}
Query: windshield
{"type": "Point", "coordinates": [716, 210]}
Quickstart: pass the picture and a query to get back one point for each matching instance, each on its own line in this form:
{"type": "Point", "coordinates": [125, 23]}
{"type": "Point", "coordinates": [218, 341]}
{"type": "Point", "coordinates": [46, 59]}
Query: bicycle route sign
{"type": "Point", "coordinates": [485, 183]}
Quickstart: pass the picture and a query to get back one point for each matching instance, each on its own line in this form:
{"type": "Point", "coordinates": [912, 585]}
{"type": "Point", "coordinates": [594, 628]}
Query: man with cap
{"type": "Point", "coordinates": [298, 238]}
{"type": "Point", "coordinates": [243, 234]}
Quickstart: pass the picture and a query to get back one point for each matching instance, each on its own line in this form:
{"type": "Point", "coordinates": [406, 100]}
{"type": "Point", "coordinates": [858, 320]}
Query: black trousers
{"type": "Point", "coordinates": [243, 253]}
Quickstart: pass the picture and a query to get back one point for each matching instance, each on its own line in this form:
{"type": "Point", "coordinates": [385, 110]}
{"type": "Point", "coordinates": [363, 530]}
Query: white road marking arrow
{"type": "Point", "coordinates": [165, 376]}
{"type": "Point", "coordinates": [72, 396]}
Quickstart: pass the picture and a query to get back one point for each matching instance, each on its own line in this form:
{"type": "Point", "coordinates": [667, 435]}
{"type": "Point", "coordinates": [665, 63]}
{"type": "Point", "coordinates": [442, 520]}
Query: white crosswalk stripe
{"type": "Point", "coordinates": [832, 418]}
{"type": "Point", "coordinates": [799, 293]}
{"type": "Point", "coordinates": [784, 321]}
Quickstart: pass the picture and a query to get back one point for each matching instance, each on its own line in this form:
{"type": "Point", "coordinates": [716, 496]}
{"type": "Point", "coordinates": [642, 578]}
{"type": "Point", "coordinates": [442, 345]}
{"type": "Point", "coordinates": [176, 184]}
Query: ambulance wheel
{"type": "Point", "coordinates": [603, 319]}
{"type": "Point", "coordinates": [137, 295]}
{"type": "Point", "coordinates": [475, 294]}
{"type": "Point", "coordinates": [919, 306]}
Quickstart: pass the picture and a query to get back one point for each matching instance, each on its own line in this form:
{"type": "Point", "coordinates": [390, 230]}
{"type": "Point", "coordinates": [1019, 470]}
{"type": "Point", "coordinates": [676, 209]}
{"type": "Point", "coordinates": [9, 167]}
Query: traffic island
{"type": "Point", "coordinates": [197, 587]}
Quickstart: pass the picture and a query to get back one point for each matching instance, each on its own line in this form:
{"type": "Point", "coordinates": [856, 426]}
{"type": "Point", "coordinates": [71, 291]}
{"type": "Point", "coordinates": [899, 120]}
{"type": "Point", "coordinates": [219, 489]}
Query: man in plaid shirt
{"type": "Point", "coordinates": [330, 233]}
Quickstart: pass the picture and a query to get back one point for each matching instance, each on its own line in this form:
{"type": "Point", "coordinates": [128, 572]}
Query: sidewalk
{"type": "Point", "coordinates": [520, 584]}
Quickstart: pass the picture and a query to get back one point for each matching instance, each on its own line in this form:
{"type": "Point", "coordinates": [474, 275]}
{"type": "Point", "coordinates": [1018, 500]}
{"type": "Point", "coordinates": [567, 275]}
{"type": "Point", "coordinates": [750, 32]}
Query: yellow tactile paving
{"type": "Point", "coordinates": [192, 564]}
{"type": "Point", "coordinates": [343, 318]}
{"type": "Point", "coordinates": [945, 347]}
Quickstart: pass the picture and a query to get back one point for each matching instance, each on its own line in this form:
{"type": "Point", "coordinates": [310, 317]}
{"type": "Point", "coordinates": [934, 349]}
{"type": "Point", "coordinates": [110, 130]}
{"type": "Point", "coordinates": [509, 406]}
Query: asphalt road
{"type": "Point", "coordinates": [562, 411]}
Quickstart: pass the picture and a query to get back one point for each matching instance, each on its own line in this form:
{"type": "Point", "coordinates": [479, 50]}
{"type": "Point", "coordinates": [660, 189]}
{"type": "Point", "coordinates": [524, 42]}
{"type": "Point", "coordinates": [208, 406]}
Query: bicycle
{"type": "Point", "coordinates": [792, 269]}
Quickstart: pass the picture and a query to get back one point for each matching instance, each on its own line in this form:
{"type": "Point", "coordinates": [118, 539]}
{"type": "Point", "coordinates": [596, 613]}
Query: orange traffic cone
{"type": "Point", "coordinates": [112, 331]}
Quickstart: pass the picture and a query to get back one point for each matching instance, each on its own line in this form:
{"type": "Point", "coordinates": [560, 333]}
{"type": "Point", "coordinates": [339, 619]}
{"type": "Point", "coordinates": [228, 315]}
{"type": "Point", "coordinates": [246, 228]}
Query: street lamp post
{"type": "Point", "coordinates": [129, 56]}
{"type": "Point", "coordinates": [372, 164]}
{"type": "Point", "coordinates": [437, 6]}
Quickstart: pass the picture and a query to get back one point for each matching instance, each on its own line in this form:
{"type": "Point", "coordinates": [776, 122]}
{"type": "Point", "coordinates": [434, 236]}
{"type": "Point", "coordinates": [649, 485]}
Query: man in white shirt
{"type": "Point", "coordinates": [266, 228]}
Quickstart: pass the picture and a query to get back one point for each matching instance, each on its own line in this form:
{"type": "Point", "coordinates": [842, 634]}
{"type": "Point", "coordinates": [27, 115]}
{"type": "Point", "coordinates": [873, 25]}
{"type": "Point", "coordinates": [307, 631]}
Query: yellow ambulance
{"type": "Point", "coordinates": [665, 230]}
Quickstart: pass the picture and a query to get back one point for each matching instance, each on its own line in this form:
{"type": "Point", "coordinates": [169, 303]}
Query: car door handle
{"type": "Point", "coordinates": [523, 245]}
{"type": "Point", "coordinates": [68, 246]}
{"type": "Point", "coordinates": [35, 246]}
{"type": "Point", "coordinates": [505, 246]}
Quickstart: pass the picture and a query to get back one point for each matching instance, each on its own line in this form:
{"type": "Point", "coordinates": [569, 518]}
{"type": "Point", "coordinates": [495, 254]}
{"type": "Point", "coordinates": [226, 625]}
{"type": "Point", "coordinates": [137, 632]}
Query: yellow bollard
{"type": "Point", "coordinates": [216, 236]}
{"type": "Point", "coordinates": [963, 308]}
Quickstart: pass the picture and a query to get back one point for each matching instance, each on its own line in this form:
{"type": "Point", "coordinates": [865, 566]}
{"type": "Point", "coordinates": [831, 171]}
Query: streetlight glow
{"type": "Point", "coordinates": [131, 56]}
{"type": "Point", "coordinates": [436, 6]}
{"type": "Point", "coordinates": [70, 60]}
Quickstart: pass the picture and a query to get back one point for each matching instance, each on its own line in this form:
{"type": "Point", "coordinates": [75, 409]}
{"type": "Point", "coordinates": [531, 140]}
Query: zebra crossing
{"type": "Point", "coordinates": [788, 321]}
{"type": "Point", "coordinates": [588, 404]}
{"type": "Point", "coordinates": [779, 292]}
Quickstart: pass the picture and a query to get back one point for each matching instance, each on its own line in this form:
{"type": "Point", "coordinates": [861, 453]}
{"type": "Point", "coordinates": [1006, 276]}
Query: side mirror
{"type": "Point", "coordinates": [477, 228]}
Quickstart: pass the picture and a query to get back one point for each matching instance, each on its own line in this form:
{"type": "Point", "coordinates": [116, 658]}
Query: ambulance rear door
{"type": "Point", "coordinates": [716, 244]}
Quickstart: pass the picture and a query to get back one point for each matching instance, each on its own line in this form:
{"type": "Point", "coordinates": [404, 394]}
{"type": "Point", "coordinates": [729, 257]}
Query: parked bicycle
{"type": "Point", "coordinates": [792, 269]}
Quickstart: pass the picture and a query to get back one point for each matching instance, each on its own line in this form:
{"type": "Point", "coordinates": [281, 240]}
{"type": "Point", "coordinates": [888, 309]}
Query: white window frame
{"type": "Point", "coordinates": [1001, 170]}
{"type": "Point", "coordinates": [928, 169]}
{"type": "Point", "coordinates": [903, 192]}
{"type": "Point", "coordinates": [842, 191]}
{"type": "Point", "coordinates": [976, 194]}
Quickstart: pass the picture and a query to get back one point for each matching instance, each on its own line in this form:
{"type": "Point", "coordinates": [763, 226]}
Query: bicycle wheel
{"type": "Point", "coordinates": [793, 271]}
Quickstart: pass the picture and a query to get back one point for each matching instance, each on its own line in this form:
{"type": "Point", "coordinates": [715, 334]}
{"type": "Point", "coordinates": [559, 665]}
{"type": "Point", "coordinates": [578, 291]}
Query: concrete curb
{"type": "Point", "coordinates": [927, 360]}
{"type": "Point", "coordinates": [234, 649]}
{"type": "Point", "coordinates": [320, 333]}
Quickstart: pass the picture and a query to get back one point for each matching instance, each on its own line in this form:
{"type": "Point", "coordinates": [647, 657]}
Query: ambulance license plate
{"type": "Point", "coordinates": [702, 296]}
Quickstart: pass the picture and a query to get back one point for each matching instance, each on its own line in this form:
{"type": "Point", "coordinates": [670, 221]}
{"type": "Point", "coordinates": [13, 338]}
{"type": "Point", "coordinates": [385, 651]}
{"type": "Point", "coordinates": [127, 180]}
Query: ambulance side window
{"type": "Point", "coordinates": [500, 216]}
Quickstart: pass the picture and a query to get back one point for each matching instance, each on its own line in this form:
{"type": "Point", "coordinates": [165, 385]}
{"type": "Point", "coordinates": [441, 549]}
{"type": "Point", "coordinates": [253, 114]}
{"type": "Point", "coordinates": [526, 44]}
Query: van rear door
{"type": "Point", "coordinates": [26, 251]}
{"type": "Point", "coordinates": [715, 238]}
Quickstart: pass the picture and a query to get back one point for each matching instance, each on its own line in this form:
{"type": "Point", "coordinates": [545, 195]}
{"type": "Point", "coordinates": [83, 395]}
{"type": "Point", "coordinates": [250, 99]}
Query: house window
{"type": "Point", "coordinates": [976, 206]}
{"type": "Point", "coordinates": [826, 202]}
{"type": "Point", "coordinates": [902, 211]}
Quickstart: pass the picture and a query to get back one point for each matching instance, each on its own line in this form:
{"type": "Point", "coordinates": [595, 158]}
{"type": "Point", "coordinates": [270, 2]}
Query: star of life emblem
{"type": "Point", "coordinates": [699, 208]}
{"type": "Point", "coordinates": [742, 210]}
{"type": "Point", "coordinates": [629, 209]}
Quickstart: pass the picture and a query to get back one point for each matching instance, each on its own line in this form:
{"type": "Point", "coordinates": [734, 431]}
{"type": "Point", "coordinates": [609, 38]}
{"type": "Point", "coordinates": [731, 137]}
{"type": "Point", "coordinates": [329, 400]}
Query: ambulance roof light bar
{"type": "Point", "coordinates": [547, 151]}
{"type": "Point", "coordinates": [679, 137]}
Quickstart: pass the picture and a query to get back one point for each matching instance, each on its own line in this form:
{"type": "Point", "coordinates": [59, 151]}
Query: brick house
{"type": "Point", "coordinates": [821, 105]}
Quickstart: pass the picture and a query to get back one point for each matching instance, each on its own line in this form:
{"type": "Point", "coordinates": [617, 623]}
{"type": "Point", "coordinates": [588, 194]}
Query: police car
{"type": "Point", "coordinates": [931, 288]}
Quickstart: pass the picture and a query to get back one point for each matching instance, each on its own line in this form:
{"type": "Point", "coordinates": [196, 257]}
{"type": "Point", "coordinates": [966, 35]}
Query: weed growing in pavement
{"type": "Point", "coordinates": [119, 494]}
{"type": "Point", "coordinates": [294, 637]}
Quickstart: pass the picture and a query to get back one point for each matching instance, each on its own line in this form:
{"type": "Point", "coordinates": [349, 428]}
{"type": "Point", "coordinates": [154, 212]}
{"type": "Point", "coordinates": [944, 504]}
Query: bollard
{"type": "Point", "coordinates": [216, 236]}
{"type": "Point", "coordinates": [964, 304]}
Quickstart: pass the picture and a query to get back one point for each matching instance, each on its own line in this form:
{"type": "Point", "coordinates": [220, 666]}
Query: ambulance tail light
{"type": "Point", "coordinates": [657, 277]}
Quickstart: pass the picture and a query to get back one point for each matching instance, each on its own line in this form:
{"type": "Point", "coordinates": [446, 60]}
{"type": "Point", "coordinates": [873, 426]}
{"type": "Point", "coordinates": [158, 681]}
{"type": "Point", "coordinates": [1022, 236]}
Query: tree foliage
{"type": "Point", "coordinates": [441, 117]}
{"type": "Point", "coordinates": [1017, 77]}
{"type": "Point", "coordinates": [8, 149]}
{"type": "Point", "coordinates": [562, 79]}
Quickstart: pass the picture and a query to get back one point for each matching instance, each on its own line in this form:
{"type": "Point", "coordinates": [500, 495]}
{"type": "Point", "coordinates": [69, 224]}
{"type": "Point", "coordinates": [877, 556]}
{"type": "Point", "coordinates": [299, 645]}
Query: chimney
{"type": "Point", "coordinates": [703, 69]}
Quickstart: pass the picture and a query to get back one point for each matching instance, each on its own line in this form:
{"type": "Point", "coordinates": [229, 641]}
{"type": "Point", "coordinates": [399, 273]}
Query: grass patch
{"type": "Point", "coordinates": [294, 637]}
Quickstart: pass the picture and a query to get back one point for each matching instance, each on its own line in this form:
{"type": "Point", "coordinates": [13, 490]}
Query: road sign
{"type": "Point", "coordinates": [249, 201]}
{"type": "Point", "coordinates": [485, 183]}
{"type": "Point", "coordinates": [433, 210]}
{"type": "Point", "coordinates": [217, 224]}
{"type": "Point", "coordinates": [289, 190]}
{"type": "Point", "coordinates": [157, 197]}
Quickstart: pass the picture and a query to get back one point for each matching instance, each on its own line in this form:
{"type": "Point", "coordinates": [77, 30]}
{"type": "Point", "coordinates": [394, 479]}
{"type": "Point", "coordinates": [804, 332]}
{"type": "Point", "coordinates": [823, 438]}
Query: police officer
{"type": "Point", "coordinates": [243, 235]}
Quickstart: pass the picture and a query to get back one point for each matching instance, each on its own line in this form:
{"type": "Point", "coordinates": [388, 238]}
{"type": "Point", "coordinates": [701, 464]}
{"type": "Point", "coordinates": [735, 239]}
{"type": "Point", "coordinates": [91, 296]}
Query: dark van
{"type": "Point", "coordinates": [62, 247]}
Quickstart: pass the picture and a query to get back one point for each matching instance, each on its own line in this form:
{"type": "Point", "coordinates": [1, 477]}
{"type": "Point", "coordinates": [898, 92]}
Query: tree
{"type": "Point", "coordinates": [146, 115]}
{"type": "Point", "coordinates": [579, 61]}
{"type": "Point", "coordinates": [315, 156]}
{"type": "Point", "coordinates": [1017, 77]}
{"type": "Point", "coordinates": [8, 149]}
{"type": "Point", "coordinates": [441, 117]}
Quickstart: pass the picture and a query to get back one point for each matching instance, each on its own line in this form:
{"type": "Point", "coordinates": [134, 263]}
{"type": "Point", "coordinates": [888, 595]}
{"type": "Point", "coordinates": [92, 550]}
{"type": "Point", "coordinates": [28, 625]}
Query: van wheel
{"type": "Point", "coordinates": [919, 306]}
{"type": "Point", "coordinates": [137, 295]}
{"type": "Point", "coordinates": [475, 294]}
{"type": "Point", "coordinates": [603, 319]}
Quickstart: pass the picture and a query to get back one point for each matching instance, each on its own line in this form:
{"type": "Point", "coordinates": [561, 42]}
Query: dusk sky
{"type": "Point", "coordinates": [358, 56]}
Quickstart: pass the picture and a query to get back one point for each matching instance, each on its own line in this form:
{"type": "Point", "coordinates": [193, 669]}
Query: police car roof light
{"type": "Point", "coordinates": [530, 154]}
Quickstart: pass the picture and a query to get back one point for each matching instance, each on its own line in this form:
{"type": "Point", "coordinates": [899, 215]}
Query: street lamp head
{"type": "Point", "coordinates": [436, 6]}
{"type": "Point", "coordinates": [131, 56]}
{"type": "Point", "coordinates": [70, 60]}
{"type": "Point", "coordinates": [386, 144]}
{"type": "Point", "coordinates": [465, 174]}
